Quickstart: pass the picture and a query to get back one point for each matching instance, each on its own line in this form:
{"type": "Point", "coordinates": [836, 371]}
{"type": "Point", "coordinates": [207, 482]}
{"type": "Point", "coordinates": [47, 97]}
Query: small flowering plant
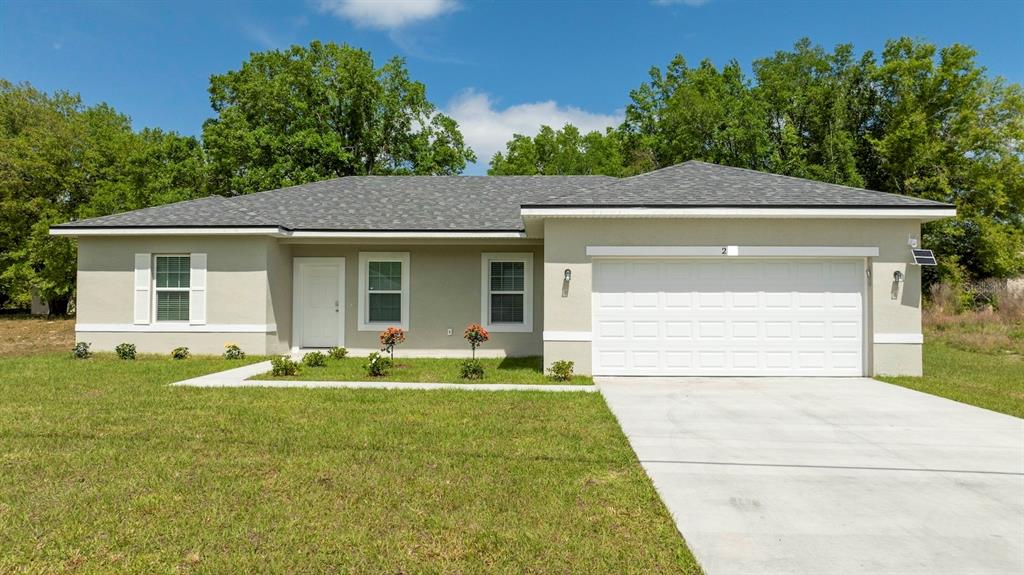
{"type": "Point", "coordinates": [389, 338]}
{"type": "Point", "coordinates": [232, 351]}
{"type": "Point", "coordinates": [475, 334]}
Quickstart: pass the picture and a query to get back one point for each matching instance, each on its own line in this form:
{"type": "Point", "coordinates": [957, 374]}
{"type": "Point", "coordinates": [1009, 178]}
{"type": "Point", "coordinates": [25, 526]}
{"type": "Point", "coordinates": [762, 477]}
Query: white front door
{"type": "Point", "coordinates": [320, 302]}
{"type": "Point", "coordinates": [721, 318]}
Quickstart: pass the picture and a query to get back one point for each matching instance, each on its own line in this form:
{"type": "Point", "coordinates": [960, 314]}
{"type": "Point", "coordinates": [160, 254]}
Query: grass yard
{"type": "Point", "coordinates": [992, 381]}
{"type": "Point", "coordinates": [975, 358]}
{"type": "Point", "coordinates": [523, 370]}
{"type": "Point", "coordinates": [104, 468]}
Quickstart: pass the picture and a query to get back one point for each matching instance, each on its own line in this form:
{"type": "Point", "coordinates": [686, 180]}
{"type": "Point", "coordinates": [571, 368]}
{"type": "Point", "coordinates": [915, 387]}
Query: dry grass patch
{"type": "Point", "coordinates": [26, 335]}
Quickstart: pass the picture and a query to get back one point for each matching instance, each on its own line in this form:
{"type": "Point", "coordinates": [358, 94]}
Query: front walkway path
{"type": "Point", "coordinates": [239, 377]}
{"type": "Point", "coordinates": [815, 475]}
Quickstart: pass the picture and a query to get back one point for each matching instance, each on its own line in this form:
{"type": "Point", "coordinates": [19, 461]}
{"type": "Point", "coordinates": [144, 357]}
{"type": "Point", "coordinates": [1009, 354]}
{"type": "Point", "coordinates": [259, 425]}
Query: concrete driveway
{"type": "Point", "coordinates": [828, 475]}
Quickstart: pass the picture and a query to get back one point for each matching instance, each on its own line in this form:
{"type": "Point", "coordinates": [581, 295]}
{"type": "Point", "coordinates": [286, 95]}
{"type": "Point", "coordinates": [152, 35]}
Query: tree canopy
{"type": "Point", "coordinates": [61, 160]}
{"type": "Point", "coordinates": [919, 120]}
{"type": "Point", "coordinates": [310, 113]}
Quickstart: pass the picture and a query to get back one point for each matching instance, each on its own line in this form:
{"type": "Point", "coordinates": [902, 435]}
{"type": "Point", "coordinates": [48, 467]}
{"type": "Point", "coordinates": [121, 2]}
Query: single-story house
{"type": "Point", "coordinates": [694, 269]}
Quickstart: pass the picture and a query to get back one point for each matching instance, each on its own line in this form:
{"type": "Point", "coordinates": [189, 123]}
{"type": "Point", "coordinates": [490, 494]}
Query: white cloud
{"type": "Point", "coordinates": [487, 128]}
{"type": "Point", "coordinates": [387, 14]}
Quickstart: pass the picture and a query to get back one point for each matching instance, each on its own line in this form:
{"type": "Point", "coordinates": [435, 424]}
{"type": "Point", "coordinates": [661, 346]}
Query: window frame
{"type": "Point", "coordinates": [365, 258]}
{"type": "Point", "coordinates": [526, 258]}
{"type": "Point", "coordinates": [156, 290]}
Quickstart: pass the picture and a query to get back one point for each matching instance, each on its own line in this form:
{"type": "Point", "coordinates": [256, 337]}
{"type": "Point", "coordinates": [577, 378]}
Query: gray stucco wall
{"type": "Point", "coordinates": [444, 293]}
{"type": "Point", "coordinates": [249, 283]}
{"type": "Point", "coordinates": [569, 310]}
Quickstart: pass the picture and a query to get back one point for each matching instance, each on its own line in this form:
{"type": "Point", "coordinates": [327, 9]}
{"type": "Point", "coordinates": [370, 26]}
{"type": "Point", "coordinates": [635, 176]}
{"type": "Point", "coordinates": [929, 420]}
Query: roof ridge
{"type": "Point", "coordinates": [799, 179]}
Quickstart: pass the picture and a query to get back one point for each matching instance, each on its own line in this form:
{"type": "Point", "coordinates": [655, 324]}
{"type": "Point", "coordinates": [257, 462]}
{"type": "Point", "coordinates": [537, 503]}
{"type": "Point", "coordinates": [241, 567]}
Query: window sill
{"type": "Point", "coordinates": [508, 327]}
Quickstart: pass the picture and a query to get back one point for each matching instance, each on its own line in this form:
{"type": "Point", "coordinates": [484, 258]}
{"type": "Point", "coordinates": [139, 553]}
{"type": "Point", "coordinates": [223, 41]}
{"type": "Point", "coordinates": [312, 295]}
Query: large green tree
{"type": "Point", "coordinates": [61, 160]}
{"type": "Point", "coordinates": [920, 121]}
{"type": "Point", "coordinates": [561, 152]}
{"type": "Point", "coordinates": [309, 113]}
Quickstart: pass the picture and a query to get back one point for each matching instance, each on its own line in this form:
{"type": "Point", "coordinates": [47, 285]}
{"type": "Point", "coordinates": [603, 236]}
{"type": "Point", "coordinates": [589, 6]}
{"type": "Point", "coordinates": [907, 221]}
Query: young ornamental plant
{"type": "Point", "coordinates": [125, 350]}
{"type": "Point", "coordinates": [283, 367]}
{"type": "Point", "coordinates": [314, 359]}
{"type": "Point", "coordinates": [232, 351]}
{"type": "Point", "coordinates": [180, 353]}
{"type": "Point", "coordinates": [377, 365]}
{"type": "Point", "coordinates": [471, 369]}
{"type": "Point", "coordinates": [81, 350]}
{"type": "Point", "coordinates": [389, 338]}
{"type": "Point", "coordinates": [475, 334]}
{"type": "Point", "coordinates": [561, 370]}
{"type": "Point", "coordinates": [337, 352]}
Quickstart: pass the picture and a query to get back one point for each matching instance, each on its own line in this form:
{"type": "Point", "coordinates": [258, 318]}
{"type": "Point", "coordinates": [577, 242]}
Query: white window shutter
{"type": "Point", "coordinates": [142, 283]}
{"type": "Point", "coordinates": [197, 289]}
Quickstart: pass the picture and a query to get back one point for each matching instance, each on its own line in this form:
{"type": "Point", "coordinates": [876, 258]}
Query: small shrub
{"type": "Point", "coordinates": [232, 351]}
{"type": "Point", "coordinates": [125, 350]}
{"type": "Point", "coordinates": [81, 350]}
{"type": "Point", "coordinates": [337, 352]}
{"type": "Point", "coordinates": [377, 365]}
{"type": "Point", "coordinates": [389, 338]}
{"type": "Point", "coordinates": [181, 353]}
{"type": "Point", "coordinates": [314, 359]}
{"type": "Point", "coordinates": [471, 369]}
{"type": "Point", "coordinates": [561, 370]}
{"type": "Point", "coordinates": [475, 334]}
{"type": "Point", "coordinates": [284, 366]}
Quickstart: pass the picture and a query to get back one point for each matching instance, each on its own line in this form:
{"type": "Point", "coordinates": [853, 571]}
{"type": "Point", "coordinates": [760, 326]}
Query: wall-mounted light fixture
{"type": "Point", "coordinates": [568, 274]}
{"type": "Point", "coordinates": [897, 276]}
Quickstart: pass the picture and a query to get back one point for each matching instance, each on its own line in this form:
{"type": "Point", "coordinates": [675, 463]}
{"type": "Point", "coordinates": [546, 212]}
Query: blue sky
{"type": "Point", "coordinates": [498, 66]}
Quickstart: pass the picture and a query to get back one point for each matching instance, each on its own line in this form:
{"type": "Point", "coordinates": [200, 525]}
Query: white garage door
{"type": "Point", "coordinates": [735, 317]}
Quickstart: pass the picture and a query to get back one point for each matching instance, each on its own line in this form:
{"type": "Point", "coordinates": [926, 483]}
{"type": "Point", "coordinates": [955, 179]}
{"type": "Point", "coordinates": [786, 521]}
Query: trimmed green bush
{"type": "Point", "coordinates": [337, 352]}
{"type": "Point", "coordinates": [125, 350]}
{"type": "Point", "coordinates": [378, 365]}
{"type": "Point", "coordinates": [314, 359]}
{"type": "Point", "coordinates": [284, 366]}
{"type": "Point", "coordinates": [180, 353]}
{"type": "Point", "coordinates": [561, 370]}
{"type": "Point", "coordinates": [471, 369]}
{"type": "Point", "coordinates": [232, 351]}
{"type": "Point", "coordinates": [81, 350]}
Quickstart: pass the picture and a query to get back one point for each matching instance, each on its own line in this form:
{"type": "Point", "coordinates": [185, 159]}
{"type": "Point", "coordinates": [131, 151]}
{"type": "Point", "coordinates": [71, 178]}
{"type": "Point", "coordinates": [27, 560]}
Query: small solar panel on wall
{"type": "Point", "coordinates": [924, 257]}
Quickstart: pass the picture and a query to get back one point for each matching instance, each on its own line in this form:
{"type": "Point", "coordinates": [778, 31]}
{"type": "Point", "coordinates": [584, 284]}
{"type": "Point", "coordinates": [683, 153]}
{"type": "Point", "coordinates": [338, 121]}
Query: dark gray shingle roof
{"type": "Point", "coordinates": [491, 203]}
{"type": "Point", "coordinates": [696, 183]}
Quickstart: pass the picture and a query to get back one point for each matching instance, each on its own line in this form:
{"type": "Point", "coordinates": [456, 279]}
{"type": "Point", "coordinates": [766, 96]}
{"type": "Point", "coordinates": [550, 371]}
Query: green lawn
{"type": "Point", "coordinates": [103, 468]}
{"type": "Point", "coordinates": [991, 380]}
{"type": "Point", "coordinates": [505, 370]}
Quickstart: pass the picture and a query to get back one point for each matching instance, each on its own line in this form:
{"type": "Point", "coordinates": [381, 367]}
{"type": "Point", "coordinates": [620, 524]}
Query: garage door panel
{"type": "Point", "coordinates": [767, 317]}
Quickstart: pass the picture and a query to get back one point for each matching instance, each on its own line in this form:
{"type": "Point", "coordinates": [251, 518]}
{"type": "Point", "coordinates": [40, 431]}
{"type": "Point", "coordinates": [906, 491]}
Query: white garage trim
{"type": "Point", "coordinates": [567, 335]}
{"type": "Point", "coordinates": [923, 214]}
{"type": "Point", "coordinates": [177, 328]}
{"type": "Point", "coordinates": [732, 251]}
{"type": "Point", "coordinates": [899, 338]}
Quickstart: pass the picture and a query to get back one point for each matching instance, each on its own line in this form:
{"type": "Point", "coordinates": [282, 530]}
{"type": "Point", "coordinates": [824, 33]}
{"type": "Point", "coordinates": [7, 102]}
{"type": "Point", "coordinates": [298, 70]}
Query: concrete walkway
{"type": "Point", "coordinates": [239, 377]}
{"type": "Point", "coordinates": [828, 475]}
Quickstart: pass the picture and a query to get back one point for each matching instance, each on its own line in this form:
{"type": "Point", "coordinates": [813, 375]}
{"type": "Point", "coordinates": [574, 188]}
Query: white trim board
{"type": "Point", "coordinates": [914, 338]}
{"type": "Point", "coordinates": [280, 233]}
{"type": "Point", "coordinates": [177, 328]}
{"type": "Point", "coordinates": [786, 213]}
{"type": "Point", "coordinates": [550, 335]}
{"type": "Point", "coordinates": [732, 251]}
